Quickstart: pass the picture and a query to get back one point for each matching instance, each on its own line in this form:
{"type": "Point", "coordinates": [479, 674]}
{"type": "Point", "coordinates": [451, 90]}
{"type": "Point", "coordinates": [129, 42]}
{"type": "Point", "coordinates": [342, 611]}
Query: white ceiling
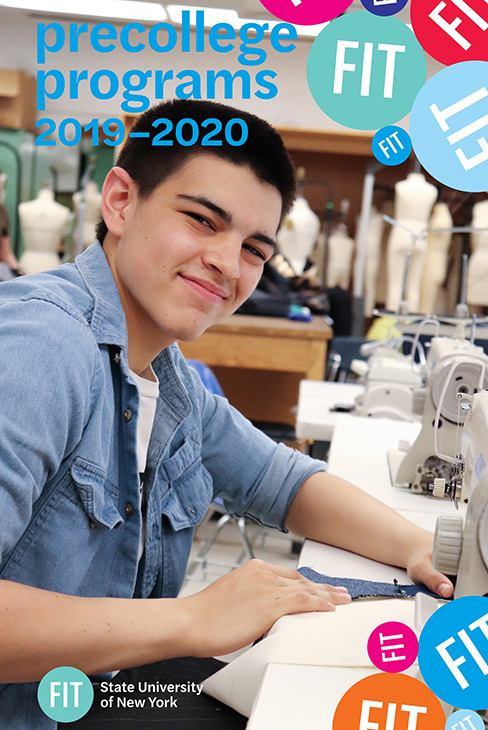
{"type": "Point", "coordinates": [245, 8]}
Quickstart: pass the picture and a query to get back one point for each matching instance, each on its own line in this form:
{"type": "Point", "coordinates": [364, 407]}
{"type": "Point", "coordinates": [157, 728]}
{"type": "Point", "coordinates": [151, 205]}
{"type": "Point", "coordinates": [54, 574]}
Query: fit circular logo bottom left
{"type": "Point", "coordinates": [65, 694]}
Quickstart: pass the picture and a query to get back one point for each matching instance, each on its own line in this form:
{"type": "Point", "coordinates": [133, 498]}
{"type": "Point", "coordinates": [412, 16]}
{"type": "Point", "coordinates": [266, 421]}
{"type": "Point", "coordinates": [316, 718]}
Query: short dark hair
{"type": "Point", "coordinates": [263, 152]}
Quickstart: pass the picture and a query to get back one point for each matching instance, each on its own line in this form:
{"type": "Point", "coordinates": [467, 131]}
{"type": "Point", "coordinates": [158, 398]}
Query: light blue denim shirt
{"type": "Point", "coordinates": [70, 515]}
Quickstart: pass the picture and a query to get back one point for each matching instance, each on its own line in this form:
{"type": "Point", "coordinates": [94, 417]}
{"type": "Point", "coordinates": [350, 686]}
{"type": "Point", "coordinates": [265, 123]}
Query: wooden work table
{"type": "Point", "coordinates": [260, 361]}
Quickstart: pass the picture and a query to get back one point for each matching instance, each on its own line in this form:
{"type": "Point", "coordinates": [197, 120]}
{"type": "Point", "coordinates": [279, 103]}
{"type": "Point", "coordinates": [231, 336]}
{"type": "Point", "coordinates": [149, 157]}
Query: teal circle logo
{"type": "Point", "coordinates": [391, 145]}
{"type": "Point", "coordinates": [365, 71]}
{"type": "Point", "coordinates": [449, 126]}
{"type": "Point", "coordinates": [65, 694]}
{"type": "Point", "coordinates": [453, 652]}
{"type": "Point", "coordinates": [465, 720]}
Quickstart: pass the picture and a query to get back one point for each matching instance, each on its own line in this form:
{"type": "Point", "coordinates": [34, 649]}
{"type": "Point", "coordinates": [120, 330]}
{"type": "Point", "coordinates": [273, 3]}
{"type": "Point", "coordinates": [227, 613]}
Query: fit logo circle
{"type": "Point", "coordinates": [453, 652]}
{"type": "Point", "coordinates": [389, 702]}
{"type": "Point", "coordinates": [393, 646]}
{"type": "Point", "coordinates": [391, 146]}
{"type": "Point", "coordinates": [452, 31]}
{"type": "Point", "coordinates": [465, 720]}
{"type": "Point", "coordinates": [365, 72]}
{"type": "Point", "coordinates": [449, 126]}
{"type": "Point", "coordinates": [306, 12]}
{"type": "Point", "coordinates": [384, 7]}
{"type": "Point", "coordinates": [65, 694]}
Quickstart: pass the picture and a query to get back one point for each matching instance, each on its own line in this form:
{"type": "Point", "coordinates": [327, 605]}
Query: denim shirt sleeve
{"type": "Point", "coordinates": [45, 401]}
{"type": "Point", "coordinates": [251, 473]}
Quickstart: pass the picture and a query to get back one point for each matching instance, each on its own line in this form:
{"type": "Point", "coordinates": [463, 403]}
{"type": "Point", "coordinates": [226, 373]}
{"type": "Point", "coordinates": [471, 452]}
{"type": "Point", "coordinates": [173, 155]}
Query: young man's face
{"type": "Point", "coordinates": [191, 253]}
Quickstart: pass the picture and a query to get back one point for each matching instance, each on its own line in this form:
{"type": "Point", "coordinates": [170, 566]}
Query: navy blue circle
{"type": "Point", "coordinates": [384, 7]}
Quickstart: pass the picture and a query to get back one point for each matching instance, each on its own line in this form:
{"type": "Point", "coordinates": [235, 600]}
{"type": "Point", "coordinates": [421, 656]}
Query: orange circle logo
{"type": "Point", "coordinates": [389, 702]}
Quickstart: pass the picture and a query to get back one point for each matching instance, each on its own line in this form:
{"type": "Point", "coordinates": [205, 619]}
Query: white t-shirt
{"type": "Point", "coordinates": [148, 394]}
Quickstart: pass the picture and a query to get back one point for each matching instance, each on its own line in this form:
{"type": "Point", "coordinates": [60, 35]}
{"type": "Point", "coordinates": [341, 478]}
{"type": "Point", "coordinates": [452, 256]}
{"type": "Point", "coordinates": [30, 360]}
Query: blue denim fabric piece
{"type": "Point", "coordinates": [367, 588]}
{"type": "Point", "coordinates": [70, 513]}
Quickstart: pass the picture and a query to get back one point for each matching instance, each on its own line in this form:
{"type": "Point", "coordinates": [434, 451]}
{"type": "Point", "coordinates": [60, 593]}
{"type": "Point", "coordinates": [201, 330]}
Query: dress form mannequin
{"type": "Point", "coordinates": [375, 233]}
{"type": "Point", "coordinates": [435, 265]}
{"type": "Point", "coordinates": [414, 198]}
{"type": "Point", "coordinates": [6, 253]}
{"type": "Point", "coordinates": [340, 250]}
{"type": "Point", "coordinates": [43, 222]}
{"type": "Point", "coordinates": [297, 236]}
{"type": "Point", "coordinates": [477, 290]}
{"type": "Point", "coordinates": [91, 213]}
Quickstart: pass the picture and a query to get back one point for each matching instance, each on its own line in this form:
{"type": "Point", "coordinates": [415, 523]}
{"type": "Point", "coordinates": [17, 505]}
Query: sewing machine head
{"type": "Point", "coordinates": [455, 370]}
{"type": "Point", "coordinates": [462, 550]}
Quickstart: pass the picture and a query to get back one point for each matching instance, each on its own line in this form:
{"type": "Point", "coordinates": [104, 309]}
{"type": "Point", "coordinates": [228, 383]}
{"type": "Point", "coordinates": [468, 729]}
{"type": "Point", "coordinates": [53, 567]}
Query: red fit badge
{"type": "Point", "coordinates": [306, 12]}
{"type": "Point", "coordinates": [452, 30]}
{"type": "Point", "coordinates": [389, 702]}
{"type": "Point", "coordinates": [393, 647]}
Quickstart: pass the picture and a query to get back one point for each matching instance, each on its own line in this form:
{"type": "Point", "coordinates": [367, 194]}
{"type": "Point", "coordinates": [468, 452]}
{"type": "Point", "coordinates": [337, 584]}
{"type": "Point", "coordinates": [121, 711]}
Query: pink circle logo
{"type": "Point", "coordinates": [393, 647]}
{"type": "Point", "coordinates": [306, 12]}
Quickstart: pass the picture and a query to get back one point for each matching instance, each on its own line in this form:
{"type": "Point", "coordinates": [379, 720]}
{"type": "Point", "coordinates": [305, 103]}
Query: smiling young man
{"type": "Point", "coordinates": [112, 450]}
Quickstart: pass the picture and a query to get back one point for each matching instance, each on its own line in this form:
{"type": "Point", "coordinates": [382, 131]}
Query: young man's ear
{"type": "Point", "coordinates": [118, 193]}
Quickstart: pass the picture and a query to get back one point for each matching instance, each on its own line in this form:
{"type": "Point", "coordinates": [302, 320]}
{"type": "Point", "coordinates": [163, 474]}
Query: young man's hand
{"type": "Point", "coordinates": [244, 604]}
{"type": "Point", "coordinates": [421, 570]}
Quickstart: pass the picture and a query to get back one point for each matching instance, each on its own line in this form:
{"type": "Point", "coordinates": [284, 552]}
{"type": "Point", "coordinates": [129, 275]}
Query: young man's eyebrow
{"type": "Point", "coordinates": [227, 217]}
{"type": "Point", "coordinates": [202, 200]}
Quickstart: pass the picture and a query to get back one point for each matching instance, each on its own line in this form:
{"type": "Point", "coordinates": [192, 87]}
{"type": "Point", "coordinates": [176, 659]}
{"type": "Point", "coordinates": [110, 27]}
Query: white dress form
{"type": "Point", "coordinates": [298, 234]}
{"type": "Point", "coordinates": [414, 198]}
{"type": "Point", "coordinates": [477, 289]}
{"type": "Point", "coordinates": [339, 259]}
{"type": "Point", "coordinates": [91, 214]}
{"type": "Point", "coordinates": [373, 255]}
{"type": "Point", "coordinates": [435, 264]}
{"type": "Point", "coordinates": [43, 222]}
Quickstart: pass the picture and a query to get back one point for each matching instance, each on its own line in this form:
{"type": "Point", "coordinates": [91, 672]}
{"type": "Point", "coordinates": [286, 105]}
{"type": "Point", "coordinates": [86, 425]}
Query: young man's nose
{"type": "Point", "coordinates": [224, 255]}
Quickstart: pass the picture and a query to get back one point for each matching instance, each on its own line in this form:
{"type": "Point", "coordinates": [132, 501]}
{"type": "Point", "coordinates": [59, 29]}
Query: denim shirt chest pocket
{"type": "Point", "coordinates": [99, 497]}
{"type": "Point", "coordinates": [60, 528]}
{"type": "Point", "coordinates": [190, 486]}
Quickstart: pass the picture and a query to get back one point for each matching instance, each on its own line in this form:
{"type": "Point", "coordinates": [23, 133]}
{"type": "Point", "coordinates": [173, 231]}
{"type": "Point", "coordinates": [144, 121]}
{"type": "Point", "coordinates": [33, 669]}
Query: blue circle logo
{"type": "Point", "coordinates": [449, 126]}
{"type": "Point", "coordinates": [391, 145]}
{"type": "Point", "coordinates": [465, 720]}
{"type": "Point", "coordinates": [453, 652]}
{"type": "Point", "coordinates": [65, 694]}
{"type": "Point", "coordinates": [384, 7]}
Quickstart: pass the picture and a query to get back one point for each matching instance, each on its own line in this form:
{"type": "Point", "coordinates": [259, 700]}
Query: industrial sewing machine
{"type": "Point", "coordinates": [462, 549]}
{"type": "Point", "coordinates": [455, 369]}
{"type": "Point", "coordinates": [390, 381]}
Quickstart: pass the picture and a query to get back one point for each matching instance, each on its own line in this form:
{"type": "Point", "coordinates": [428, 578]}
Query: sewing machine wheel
{"type": "Point", "coordinates": [465, 381]}
{"type": "Point", "coordinates": [448, 542]}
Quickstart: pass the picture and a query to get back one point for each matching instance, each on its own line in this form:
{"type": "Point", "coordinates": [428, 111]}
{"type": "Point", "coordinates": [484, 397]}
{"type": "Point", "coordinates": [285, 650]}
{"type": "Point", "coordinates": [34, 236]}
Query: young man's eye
{"type": "Point", "coordinates": [199, 218]}
{"type": "Point", "coordinates": [255, 251]}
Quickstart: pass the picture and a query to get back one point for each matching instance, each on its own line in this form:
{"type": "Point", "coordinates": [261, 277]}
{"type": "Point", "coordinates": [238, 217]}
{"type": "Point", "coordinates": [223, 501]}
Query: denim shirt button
{"type": "Point", "coordinates": [117, 358]}
{"type": "Point", "coordinates": [127, 414]}
{"type": "Point", "coordinates": [129, 509]}
{"type": "Point", "coordinates": [92, 525]}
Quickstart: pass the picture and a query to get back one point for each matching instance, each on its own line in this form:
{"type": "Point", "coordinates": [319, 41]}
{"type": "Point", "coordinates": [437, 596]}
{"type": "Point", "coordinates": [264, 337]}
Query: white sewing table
{"type": "Point", "coordinates": [316, 399]}
{"type": "Point", "coordinates": [303, 696]}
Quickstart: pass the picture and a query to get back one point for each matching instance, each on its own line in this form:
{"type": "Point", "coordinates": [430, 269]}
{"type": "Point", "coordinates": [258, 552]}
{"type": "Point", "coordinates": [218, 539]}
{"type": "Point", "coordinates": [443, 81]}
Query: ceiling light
{"type": "Point", "coordinates": [212, 16]}
{"type": "Point", "coordinates": [223, 15]}
{"type": "Point", "coordinates": [123, 9]}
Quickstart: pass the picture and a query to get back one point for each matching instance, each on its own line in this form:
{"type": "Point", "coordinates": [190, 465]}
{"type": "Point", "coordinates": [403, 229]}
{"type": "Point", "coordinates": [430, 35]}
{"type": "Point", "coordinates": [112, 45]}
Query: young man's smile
{"type": "Point", "coordinates": [206, 289]}
{"type": "Point", "coordinates": [188, 255]}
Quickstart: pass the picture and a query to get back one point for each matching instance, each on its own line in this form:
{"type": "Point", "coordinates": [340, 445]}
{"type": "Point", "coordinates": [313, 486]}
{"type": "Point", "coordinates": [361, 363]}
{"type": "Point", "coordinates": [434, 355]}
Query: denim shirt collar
{"type": "Point", "coordinates": [108, 323]}
{"type": "Point", "coordinates": [109, 326]}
